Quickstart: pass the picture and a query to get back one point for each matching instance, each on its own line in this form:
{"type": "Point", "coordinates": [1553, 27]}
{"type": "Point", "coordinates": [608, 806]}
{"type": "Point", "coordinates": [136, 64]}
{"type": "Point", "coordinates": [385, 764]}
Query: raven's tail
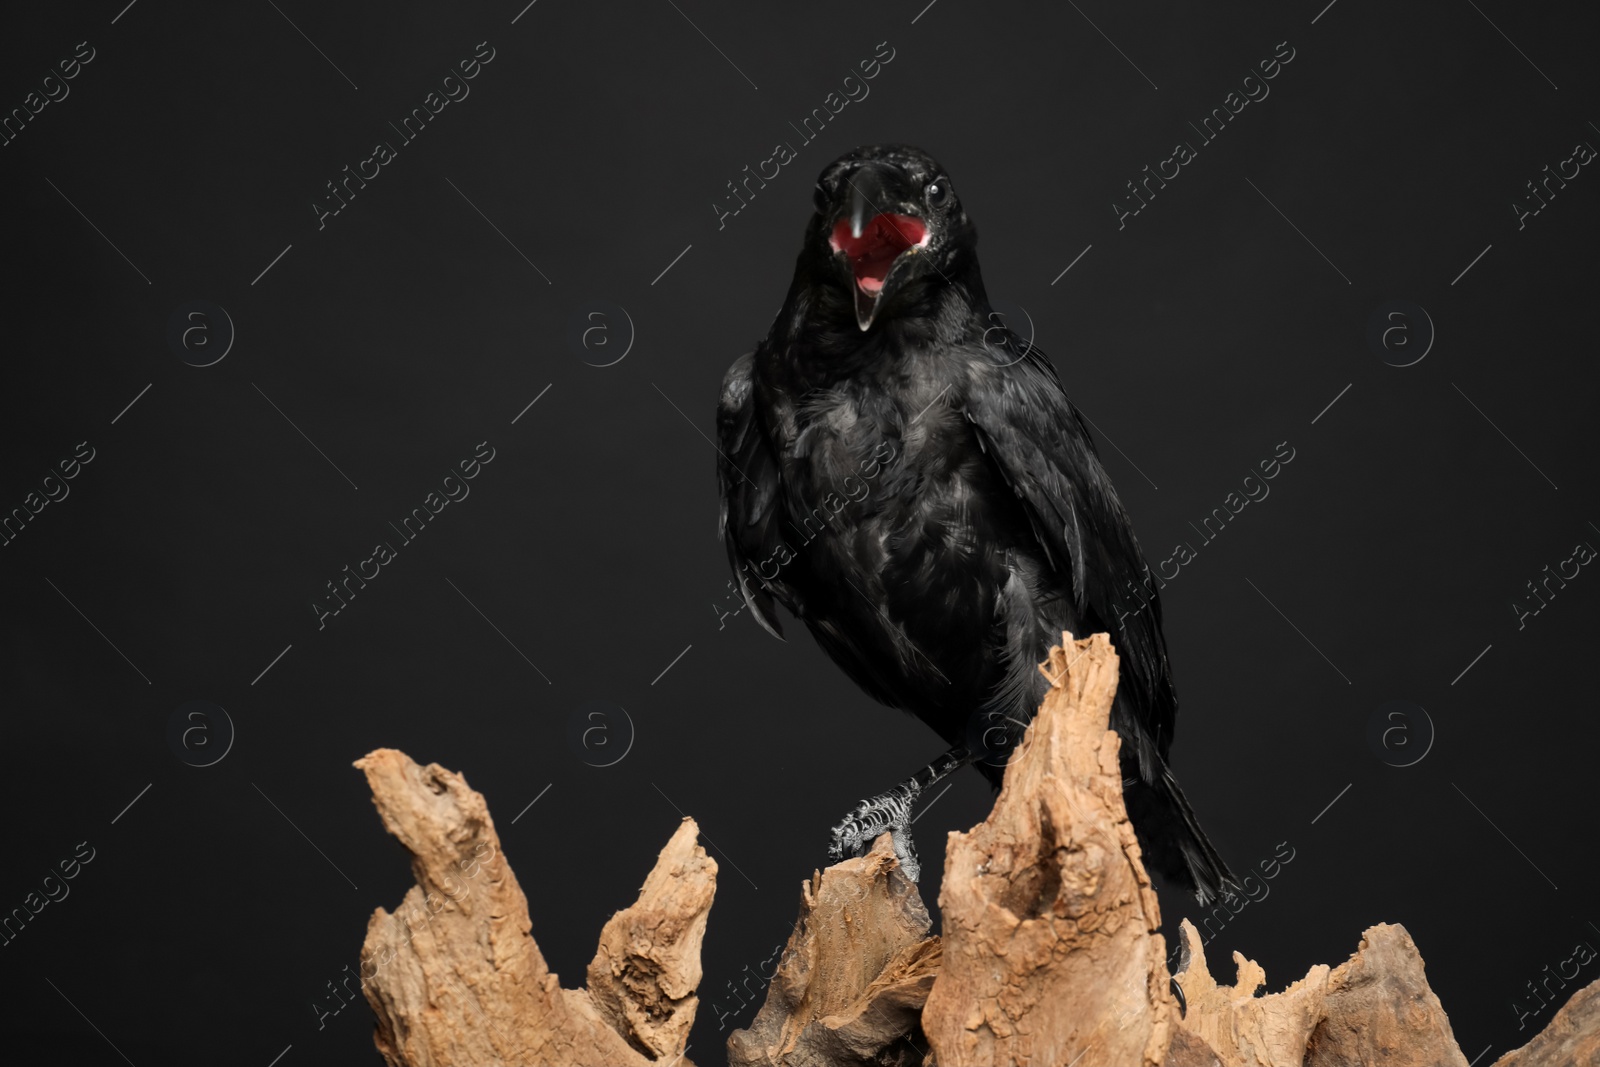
{"type": "Point", "coordinates": [1171, 839]}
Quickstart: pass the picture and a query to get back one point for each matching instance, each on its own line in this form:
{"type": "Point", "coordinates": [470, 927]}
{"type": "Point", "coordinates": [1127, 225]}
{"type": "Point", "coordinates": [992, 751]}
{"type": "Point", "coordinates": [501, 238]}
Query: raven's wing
{"type": "Point", "coordinates": [1041, 447]}
{"type": "Point", "coordinates": [748, 479]}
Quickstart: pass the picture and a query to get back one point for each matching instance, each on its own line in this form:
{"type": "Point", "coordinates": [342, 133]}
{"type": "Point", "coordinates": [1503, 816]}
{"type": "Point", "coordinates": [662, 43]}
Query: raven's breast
{"type": "Point", "coordinates": [904, 566]}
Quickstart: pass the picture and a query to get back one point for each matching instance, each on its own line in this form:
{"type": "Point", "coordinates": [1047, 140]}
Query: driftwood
{"type": "Point", "coordinates": [1242, 1029]}
{"type": "Point", "coordinates": [1051, 952]}
{"type": "Point", "coordinates": [853, 978]}
{"type": "Point", "coordinates": [455, 978]}
{"type": "Point", "coordinates": [1379, 1009]}
{"type": "Point", "coordinates": [1571, 1040]}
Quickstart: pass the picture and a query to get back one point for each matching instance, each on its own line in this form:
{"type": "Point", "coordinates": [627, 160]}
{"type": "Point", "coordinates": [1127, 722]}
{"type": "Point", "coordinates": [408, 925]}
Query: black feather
{"type": "Point", "coordinates": [980, 523]}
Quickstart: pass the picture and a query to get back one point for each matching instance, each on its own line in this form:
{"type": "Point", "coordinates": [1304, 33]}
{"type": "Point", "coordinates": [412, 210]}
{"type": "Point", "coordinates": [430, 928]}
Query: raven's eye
{"type": "Point", "coordinates": [820, 197]}
{"type": "Point", "coordinates": [938, 193]}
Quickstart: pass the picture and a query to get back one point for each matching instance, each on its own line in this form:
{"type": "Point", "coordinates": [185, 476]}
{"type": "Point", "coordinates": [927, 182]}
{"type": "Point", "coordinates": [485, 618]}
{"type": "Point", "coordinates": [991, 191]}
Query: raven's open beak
{"type": "Point", "coordinates": [873, 238]}
{"type": "Point", "coordinates": [862, 206]}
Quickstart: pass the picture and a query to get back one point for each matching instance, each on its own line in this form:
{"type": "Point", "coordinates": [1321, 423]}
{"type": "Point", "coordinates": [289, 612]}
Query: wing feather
{"type": "Point", "coordinates": [748, 481]}
{"type": "Point", "coordinates": [1042, 449]}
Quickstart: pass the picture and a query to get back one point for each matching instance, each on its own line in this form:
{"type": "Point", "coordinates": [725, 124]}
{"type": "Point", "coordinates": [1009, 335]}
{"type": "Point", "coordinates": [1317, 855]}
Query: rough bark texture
{"type": "Point", "coordinates": [454, 977]}
{"type": "Point", "coordinates": [853, 978]}
{"type": "Point", "coordinates": [1242, 1029]}
{"type": "Point", "coordinates": [1571, 1040]}
{"type": "Point", "coordinates": [644, 975]}
{"type": "Point", "coordinates": [1380, 1010]}
{"type": "Point", "coordinates": [1051, 954]}
{"type": "Point", "coordinates": [1188, 1049]}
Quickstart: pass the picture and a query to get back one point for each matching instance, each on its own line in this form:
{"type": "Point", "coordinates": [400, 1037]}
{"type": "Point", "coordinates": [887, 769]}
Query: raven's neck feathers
{"type": "Point", "coordinates": [816, 333]}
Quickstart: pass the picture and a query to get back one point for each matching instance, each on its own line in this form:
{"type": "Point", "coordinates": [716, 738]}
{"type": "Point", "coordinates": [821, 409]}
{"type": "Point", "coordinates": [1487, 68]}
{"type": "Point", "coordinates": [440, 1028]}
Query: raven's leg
{"type": "Point", "coordinates": [892, 811]}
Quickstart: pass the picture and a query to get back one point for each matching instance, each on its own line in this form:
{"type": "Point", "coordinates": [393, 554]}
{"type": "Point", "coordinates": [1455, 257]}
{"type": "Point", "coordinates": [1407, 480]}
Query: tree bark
{"type": "Point", "coordinates": [1571, 1040]}
{"type": "Point", "coordinates": [1379, 1009]}
{"type": "Point", "coordinates": [455, 978]}
{"type": "Point", "coordinates": [1051, 949]}
{"type": "Point", "coordinates": [852, 980]}
{"type": "Point", "coordinates": [1051, 953]}
{"type": "Point", "coordinates": [1242, 1029]}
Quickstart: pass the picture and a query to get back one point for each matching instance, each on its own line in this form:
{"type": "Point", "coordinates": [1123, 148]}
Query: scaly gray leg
{"type": "Point", "coordinates": [891, 811]}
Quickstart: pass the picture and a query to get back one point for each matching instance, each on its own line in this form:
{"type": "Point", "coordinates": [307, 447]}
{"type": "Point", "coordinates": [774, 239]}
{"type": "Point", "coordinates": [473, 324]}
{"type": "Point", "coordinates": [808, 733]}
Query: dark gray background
{"type": "Point", "coordinates": [408, 330]}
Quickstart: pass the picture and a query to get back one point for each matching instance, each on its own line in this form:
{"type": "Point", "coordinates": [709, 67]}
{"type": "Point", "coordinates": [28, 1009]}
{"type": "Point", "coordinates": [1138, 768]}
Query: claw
{"type": "Point", "coordinates": [891, 812]}
{"type": "Point", "coordinates": [906, 852]}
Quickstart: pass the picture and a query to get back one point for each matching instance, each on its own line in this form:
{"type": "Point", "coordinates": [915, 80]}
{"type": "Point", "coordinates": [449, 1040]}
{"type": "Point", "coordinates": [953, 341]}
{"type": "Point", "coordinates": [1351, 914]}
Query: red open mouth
{"type": "Point", "coordinates": [880, 244]}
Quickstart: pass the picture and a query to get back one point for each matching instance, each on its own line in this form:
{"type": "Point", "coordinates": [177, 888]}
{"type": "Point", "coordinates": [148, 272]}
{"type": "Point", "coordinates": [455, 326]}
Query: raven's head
{"type": "Point", "coordinates": [888, 223]}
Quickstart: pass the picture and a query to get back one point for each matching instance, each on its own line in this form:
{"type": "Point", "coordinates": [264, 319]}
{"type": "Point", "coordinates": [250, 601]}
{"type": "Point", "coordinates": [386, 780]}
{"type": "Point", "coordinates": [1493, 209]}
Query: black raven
{"type": "Point", "coordinates": [906, 475]}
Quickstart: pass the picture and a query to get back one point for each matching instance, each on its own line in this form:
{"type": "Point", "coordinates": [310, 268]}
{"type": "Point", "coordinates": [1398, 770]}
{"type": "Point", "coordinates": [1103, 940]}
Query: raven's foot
{"type": "Point", "coordinates": [892, 812]}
